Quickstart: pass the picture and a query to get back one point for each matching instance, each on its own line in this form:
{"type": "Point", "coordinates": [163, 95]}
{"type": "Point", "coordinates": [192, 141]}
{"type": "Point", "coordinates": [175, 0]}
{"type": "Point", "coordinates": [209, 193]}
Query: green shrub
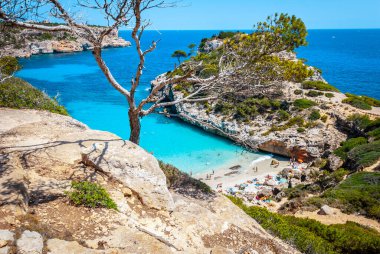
{"type": "Point", "coordinates": [324, 118]}
{"type": "Point", "coordinates": [375, 134]}
{"type": "Point", "coordinates": [90, 195]}
{"type": "Point", "coordinates": [314, 115]}
{"type": "Point", "coordinates": [311, 236]}
{"type": "Point", "coordinates": [357, 103]}
{"type": "Point", "coordinates": [224, 108]}
{"type": "Point", "coordinates": [358, 193]}
{"type": "Point", "coordinates": [297, 91]}
{"type": "Point", "coordinates": [361, 102]}
{"type": "Point", "coordinates": [301, 130]}
{"type": "Point", "coordinates": [364, 155]}
{"type": "Point", "coordinates": [318, 85]}
{"type": "Point", "coordinates": [177, 72]}
{"type": "Point", "coordinates": [45, 37]}
{"type": "Point", "coordinates": [349, 144]}
{"type": "Point", "coordinates": [329, 95]}
{"type": "Point", "coordinates": [304, 103]}
{"type": "Point", "coordinates": [298, 120]}
{"type": "Point", "coordinates": [283, 115]}
{"type": "Point", "coordinates": [225, 35]}
{"type": "Point", "coordinates": [361, 121]}
{"type": "Point", "coordinates": [8, 65]}
{"type": "Point", "coordinates": [16, 93]}
{"type": "Point", "coordinates": [313, 93]}
{"type": "Point", "coordinates": [181, 181]}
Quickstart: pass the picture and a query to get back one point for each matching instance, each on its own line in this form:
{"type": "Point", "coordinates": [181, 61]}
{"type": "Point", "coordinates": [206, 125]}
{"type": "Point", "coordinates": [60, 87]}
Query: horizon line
{"type": "Point", "coordinates": [245, 29]}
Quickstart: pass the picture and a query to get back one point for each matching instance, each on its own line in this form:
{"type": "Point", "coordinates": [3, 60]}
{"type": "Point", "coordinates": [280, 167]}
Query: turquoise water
{"type": "Point", "coordinates": [90, 99]}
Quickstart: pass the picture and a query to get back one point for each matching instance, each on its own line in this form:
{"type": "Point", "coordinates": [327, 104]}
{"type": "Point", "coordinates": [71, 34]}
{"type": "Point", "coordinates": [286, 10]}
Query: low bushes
{"type": "Point", "coordinates": [298, 120]}
{"type": "Point", "coordinates": [313, 93]}
{"type": "Point", "coordinates": [283, 115]}
{"type": "Point", "coordinates": [314, 115]}
{"type": "Point", "coordinates": [364, 155]}
{"type": "Point", "coordinates": [304, 103]}
{"type": "Point", "coordinates": [183, 182]}
{"type": "Point", "coordinates": [349, 144]}
{"type": "Point", "coordinates": [16, 93]}
{"type": "Point", "coordinates": [90, 195]}
{"type": "Point", "coordinates": [318, 85]}
{"type": "Point", "coordinates": [361, 102]}
{"type": "Point", "coordinates": [329, 95]}
{"type": "Point", "coordinates": [311, 236]}
{"type": "Point", "coordinates": [358, 193]}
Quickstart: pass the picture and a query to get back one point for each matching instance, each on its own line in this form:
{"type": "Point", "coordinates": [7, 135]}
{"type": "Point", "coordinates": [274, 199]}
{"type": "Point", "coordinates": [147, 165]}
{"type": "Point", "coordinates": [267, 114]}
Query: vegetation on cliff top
{"type": "Point", "coordinates": [17, 93]}
{"type": "Point", "coordinates": [310, 236]}
{"type": "Point", "coordinates": [359, 193]}
{"type": "Point", "coordinates": [182, 182]}
{"type": "Point", "coordinates": [361, 102]}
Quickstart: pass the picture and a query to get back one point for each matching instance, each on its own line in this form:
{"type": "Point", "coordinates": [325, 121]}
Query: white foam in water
{"type": "Point", "coordinates": [262, 158]}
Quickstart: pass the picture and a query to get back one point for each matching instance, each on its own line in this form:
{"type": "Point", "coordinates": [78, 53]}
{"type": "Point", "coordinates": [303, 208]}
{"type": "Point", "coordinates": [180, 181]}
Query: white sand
{"type": "Point", "coordinates": [243, 174]}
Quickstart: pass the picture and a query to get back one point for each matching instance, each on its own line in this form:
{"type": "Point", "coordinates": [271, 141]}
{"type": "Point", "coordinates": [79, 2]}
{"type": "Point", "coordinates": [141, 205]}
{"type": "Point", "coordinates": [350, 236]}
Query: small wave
{"type": "Point", "coordinates": [147, 89]}
{"type": "Point", "coordinates": [262, 158]}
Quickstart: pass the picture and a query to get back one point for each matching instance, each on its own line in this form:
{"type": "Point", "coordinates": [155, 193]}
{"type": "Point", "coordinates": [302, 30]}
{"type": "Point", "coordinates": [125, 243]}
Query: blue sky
{"type": "Point", "coordinates": [243, 14]}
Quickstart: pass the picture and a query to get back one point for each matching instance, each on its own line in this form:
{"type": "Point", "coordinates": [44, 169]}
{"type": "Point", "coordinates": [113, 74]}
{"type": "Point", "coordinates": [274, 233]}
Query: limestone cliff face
{"type": "Point", "coordinates": [26, 43]}
{"type": "Point", "coordinates": [41, 153]}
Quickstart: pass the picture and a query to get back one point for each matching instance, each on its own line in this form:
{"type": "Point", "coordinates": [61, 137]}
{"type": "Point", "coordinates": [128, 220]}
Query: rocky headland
{"type": "Point", "coordinates": [19, 42]}
{"type": "Point", "coordinates": [41, 153]}
{"type": "Point", "coordinates": [307, 120]}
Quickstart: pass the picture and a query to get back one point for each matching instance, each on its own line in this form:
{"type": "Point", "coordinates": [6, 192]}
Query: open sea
{"type": "Point", "coordinates": [349, 59]}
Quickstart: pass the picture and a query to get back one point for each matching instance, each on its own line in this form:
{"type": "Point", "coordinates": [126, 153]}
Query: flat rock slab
{"type": "Point", "coordinates": [134, 167]}
{"type": "Point", "coordinates": [30, 243]}
{"type": "Point", "coordinates": [56, 246]}
{"type": "Point", "coordinates": [6, 235]}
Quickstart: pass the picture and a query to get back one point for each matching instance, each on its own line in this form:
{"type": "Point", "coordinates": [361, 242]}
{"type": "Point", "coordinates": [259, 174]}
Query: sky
{"type": "Point", "coordinates": [243, 14]}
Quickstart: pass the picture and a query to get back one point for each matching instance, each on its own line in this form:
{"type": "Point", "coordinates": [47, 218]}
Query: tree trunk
{"type": "Point", "coordinates": [135, 125]}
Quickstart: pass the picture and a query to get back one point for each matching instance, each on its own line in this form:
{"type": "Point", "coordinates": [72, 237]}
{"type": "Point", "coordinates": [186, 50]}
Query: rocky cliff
{"type": "Point", "coordinates": [26, 42]}
{"type": "Point", "coordinates": [291, 118]}
{"type": "Point", "coordinates": [42, 153]}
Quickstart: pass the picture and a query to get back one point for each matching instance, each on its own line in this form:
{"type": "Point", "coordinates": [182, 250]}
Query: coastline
{"type": "Point", "coordinates": [229, 178]}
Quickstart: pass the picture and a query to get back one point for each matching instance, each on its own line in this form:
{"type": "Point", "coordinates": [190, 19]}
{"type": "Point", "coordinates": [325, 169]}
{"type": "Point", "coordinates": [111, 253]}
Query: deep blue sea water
{"type": "Point", "coordinates": [350, 60]}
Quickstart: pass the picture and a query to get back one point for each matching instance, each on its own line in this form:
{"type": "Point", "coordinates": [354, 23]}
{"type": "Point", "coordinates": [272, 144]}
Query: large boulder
{"type": "Point", "coordinates": [325, 210]}
{"type": "Point", "coordinates": [134, 167]}
{"type": "Point", "coordinates": [334, 162]}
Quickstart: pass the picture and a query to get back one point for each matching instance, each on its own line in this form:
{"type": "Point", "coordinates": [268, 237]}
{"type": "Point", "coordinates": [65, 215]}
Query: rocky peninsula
{"type": "Point", "coordinates": [306, 121]}
{"type": "Point", "coordinates": [18, 42]}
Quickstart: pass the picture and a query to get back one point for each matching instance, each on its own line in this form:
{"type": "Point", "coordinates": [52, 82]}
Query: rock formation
{"type": "Point", "coordinates": [41, 153]}
{"type": "Point", "coordinates": [27, 42]}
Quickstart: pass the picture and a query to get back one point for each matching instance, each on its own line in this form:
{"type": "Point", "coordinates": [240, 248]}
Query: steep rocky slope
{"type": "Point", "coordinates": [26, 42]}
{"type": "Point", "coordinates": [41, 153]}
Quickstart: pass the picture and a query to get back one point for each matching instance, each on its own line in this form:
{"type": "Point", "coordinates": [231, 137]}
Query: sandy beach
{"type": "Point", "coordinates": [232, 175]}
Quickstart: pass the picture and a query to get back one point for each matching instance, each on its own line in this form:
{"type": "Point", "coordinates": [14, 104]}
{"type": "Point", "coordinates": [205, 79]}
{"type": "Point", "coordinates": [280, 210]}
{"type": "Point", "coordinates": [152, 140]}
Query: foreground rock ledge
{"type": "Point", "coordinates": [41, 153]}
